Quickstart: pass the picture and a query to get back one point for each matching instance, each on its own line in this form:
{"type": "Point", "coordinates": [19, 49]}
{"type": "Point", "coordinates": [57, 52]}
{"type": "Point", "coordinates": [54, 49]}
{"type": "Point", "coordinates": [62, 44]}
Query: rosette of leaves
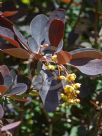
{"type": "Point", "coordinates": [8, 83]}
{"type": "Point", "coordinates": [47, 38]}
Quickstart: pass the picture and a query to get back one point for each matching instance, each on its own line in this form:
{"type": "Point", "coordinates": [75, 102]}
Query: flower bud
{"type": "Point", "coordinates": [61, 77]}
{"type": "Point", "coordinates": [63, 97]}
{"type": "Point", "coordinates": [54, 58]}
{"type": "Point", "coordinates": [77, 100]}
{"type": "Point", "coordinates": [76, 85]}
{"type": "Point", "coordinates": [77, 92]}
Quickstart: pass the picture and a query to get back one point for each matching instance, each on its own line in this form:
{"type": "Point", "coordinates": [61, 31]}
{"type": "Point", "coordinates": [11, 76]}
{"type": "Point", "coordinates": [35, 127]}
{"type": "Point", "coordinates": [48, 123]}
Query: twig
{"type": "Point", "coordinates": [50, 133]}
{"type": "Point", "coordinates": [81, 9]}
{"type": "Point", "coordinates": [98, 124]}
{"type": "Point", "coordinates": [96, 22]}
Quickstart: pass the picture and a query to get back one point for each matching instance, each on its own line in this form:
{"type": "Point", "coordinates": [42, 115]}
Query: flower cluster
{"type": "Point", "coordinates": [71, 92]}
{"type": "Point", "coordinates": [70, 88]}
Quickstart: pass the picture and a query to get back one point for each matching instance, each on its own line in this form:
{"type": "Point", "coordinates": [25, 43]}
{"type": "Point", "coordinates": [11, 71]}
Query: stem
{"type": "Point", "coordinates": [17, 130]}
{"type": "Point", "coordinates": [50, 129]}
{"type": "Point", "coordinates": [78, 18]}
{"type": "Point", "coordinates": [96, 23]}
{"type": "Point", "coordinates": [98, 125]}
{"type": "Point", "coordinates": [49, 121]}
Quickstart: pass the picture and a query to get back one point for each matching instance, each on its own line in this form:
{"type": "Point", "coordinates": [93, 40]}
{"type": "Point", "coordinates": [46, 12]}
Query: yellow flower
{"type": "Point", "coordinates": [77, 100]}
{"type": "Point", "coordinates": [71, 101]}
{"type": "Point", "coordinates": [54, 58]}
{"type": "Point", "coordinates": [68, 89]}
{"type": "Point", "coordinates": [76, 85]}
{"type": "Point", "coordinates": [61, 77]}
{"type": "Point", "coordinates": [51, 67]}
{"type": "Point", "coordinates": [71, 77]}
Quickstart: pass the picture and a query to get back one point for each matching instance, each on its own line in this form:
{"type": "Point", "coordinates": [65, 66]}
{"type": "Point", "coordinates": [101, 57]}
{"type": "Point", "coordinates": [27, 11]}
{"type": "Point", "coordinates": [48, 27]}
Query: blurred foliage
{"type": "Point", "coordinates": [83, 24]}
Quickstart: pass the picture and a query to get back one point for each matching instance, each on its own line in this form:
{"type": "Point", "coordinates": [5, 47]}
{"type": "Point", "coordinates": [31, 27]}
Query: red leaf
{"type": "Point", "coordinates": [18, 53]}
{"type": "Point", "coordinates": [8, 13]}
{"type": "Point", "coordinates": [5, 22]}
{"type": "Point", "coordinates": [63, 57]}
{"type": "Point", "coordinates": [3, 89]}
{"type": "Point", "coordinates": [66, 1]}
{"type": "Point", "coordinates": [11, 41]}
{"type": "Point", "coordinates": [86, 53]}
{"type": "Point", "coordinates": [10, 126]}
{"type": "Point", "coordinates": [15, 97]}
{"type": "Point", "coordinates": [39, 57]}
{"type": "Point", "coordinates": [56, 32]}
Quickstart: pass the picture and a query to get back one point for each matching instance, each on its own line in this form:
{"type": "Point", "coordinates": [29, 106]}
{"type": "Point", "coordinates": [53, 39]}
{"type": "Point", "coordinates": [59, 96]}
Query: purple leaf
{"type": "Point", "coordinates": [4, 70]}
{"type": "Point", "coordinates": [42, 84]}
{"type": "Point", "coordinates": [49, 89]}
{"type": "Point", "coordinates": [60, 46]}
{"type": "Point", "coordinates": [6, 32]}
{"type": "Point", "coordinates": [8, 35]}
{"type": "Point", "coordinates": [38, 26]}
{"type": "Point", "coordinates": [52, 101]}
{"type": "Point", "coordinates": [23, 79]}
{"type": "Point", "coordinates": [8, 80]}
{"type": "Point", "coordinates": [34, 47]}
{"type": "Point", "coordinates": [57, 14]}
{"type": "Point", "coordinates": [20, 88]}
{"type": "Point", "coordinates": [10, 126]}
{"type": "Point", "coordinates": [72, 38]}
{"type": "Point", "coordinates": [20, 36]}
{"type": "Point", "coordinates": [93, 67]}
{"type": "Point", "coordinates": [52, 98]}
{"type": "Point", "coordinates": [44, 90]}
{"type": "Point", "coordinates": [13, 74]}
{"type": "Point", "coordinates": [80, 62]}
{"type": "Point", "coordinates": [1, 112]}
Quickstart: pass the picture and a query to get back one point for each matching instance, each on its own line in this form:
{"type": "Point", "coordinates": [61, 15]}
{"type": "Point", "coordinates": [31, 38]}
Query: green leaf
{"type": "Point", "coordinates": [99, 85]}
{"type": "Point", "coordinates": [26, 2]}
{"type": "Point", "coordinates": [74, 131]}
